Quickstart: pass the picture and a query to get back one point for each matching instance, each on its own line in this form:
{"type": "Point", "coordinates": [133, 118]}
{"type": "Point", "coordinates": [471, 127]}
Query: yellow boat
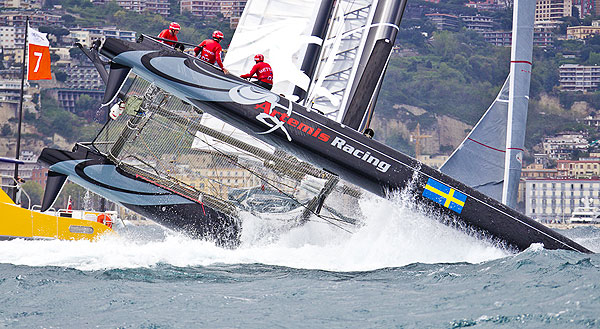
{"type": "Point", "coordinates": [22, 223]}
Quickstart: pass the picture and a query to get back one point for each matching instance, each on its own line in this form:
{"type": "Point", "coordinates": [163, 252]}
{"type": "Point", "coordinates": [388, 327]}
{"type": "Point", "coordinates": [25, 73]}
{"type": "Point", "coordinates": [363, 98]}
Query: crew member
{"type": "Point", "coordinates": [263, 72]}
{"type": "Point", "coordinates": [170, 33]}
{"type": "Point", "coordinates": [210, 50]}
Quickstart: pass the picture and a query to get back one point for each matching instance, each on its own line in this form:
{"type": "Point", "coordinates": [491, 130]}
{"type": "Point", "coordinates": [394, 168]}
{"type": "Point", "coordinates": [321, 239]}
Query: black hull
{"type": "Point", "coordinates": [328, 144]}
{"type": "Point", "coordinates": [159, 204]}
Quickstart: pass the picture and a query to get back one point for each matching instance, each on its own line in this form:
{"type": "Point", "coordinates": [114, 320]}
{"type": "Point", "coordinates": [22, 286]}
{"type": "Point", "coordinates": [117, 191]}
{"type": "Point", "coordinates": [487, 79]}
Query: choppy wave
{"type": "Point", "coordinates": [400, 269]}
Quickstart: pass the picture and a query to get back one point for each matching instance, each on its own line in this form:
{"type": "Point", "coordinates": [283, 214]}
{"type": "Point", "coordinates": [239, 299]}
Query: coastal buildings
{"type": "Point", "coordinates": [562, 146]}
{"type": "Point", "coordinates": [553, 200]}
{"type": "Point", "coordinates": [576, 77]}
{"type": "Point", "coordinates": [548, 13]}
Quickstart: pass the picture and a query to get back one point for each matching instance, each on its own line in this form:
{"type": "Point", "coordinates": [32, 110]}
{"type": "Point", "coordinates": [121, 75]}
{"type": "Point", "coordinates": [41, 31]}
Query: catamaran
{"type": "Point", "coordinates": [303, 141]}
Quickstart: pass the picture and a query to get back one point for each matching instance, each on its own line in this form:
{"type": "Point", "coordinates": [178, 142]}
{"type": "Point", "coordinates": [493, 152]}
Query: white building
{"type": "Point", "coordinates": [575, 77]}
{"type": "Point", "coordinates": [86, 35]}
{"type": "Point", "coordinates": [553, 200]}
{"type": "Point", "coordinates": [7, 37]}
{"type": "Point", "coordinates": [561, 147]}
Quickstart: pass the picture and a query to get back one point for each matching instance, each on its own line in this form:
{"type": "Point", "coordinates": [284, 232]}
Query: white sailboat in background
{"type": "Point", "coordinates": [490, 158]}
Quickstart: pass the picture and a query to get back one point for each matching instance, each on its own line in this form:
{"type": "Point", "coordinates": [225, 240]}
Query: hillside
{"type": "Point", "coordinates": [457, 75]}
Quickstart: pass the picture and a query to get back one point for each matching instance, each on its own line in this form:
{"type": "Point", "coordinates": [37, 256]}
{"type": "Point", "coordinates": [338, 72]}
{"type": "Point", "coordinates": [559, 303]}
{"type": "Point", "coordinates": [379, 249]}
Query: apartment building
{"type": "Point", "coordinates": [548, 13]}
{"type": "Point", "coordinates": [7, 37]}
{"type": "Point", "coordinates": [583, 168]}
{"type": "Point", "coordinates": [444, 21]}
{"type": "Point", "coordinates": [478, 23]}
{"type": "Point", "coordinates": [553, 200]}
{"type": "Point", "coordinates": [541, 38]}
{"type": "Point", "coordinates": [227, 8]}
{"type": "Point", "coordinates": [575, 77]}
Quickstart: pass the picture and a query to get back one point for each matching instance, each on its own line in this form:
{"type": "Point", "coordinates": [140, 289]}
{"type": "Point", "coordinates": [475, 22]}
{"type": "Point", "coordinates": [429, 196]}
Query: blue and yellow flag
{"type": "Point", "coordinates": [444, 195]}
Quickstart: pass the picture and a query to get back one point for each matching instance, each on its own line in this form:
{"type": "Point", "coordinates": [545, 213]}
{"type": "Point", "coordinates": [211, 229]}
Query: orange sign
{"type": "Point", "coordinates": [39, 56]}
{"type": "Point", "coordinates": [39, 63]}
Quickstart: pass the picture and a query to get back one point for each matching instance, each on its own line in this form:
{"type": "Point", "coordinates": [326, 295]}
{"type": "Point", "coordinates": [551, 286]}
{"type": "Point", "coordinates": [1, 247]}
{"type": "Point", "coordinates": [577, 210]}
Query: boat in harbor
{"type": "Point", "coordinates": [587, 214]}
{"type": "Point", "coordinates": [17, 222]}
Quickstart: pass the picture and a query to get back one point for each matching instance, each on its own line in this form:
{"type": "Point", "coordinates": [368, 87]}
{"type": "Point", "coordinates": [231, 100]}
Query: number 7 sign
{"type": "Point", "coordinates": [39, 58]}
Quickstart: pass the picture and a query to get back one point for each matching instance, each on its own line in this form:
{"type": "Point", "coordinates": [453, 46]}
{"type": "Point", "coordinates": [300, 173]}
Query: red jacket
{"type": "Point", "coordinates": [166, 34]}
{"type": "Point", "coordinates": [211, 52]}
{"type": "Point", "coordinates": [263, 72]}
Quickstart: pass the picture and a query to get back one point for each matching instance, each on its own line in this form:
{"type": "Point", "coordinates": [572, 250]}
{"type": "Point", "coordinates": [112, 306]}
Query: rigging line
{"type": "Point", "coordinates": [285, 194]}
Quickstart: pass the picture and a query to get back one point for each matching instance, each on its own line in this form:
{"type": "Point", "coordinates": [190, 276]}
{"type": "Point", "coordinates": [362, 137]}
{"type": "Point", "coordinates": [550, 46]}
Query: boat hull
{"type": "Point", "coordinates": [166, 207]}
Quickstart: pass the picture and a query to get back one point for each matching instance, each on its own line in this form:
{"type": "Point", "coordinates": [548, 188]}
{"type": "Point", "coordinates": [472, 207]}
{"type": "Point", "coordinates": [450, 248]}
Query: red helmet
{"type": "Point", "coordinates": [259, 58]}
{"type": "Point", "coordinates": [218, 35]}
{"type": "Point", "coordinates": [174, 26]}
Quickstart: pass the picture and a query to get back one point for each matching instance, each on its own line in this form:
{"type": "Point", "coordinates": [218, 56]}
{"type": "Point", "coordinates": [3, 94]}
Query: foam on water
{"type": "Point", "coordinates": [394, 234]}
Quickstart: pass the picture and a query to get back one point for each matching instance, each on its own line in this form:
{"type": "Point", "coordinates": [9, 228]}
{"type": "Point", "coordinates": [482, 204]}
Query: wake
{"type": "Point", "coordinates": [393, 234]}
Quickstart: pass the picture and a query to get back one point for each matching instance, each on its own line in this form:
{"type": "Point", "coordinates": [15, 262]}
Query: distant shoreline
{"type": "Point", "coordinates": [562, 226]}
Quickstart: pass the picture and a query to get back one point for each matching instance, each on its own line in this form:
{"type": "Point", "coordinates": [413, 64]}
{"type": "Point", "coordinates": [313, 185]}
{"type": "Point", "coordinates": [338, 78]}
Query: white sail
{"type": "Point", "coordinates": [490, 158]}
{"type": "Point", "coordinates": [330, 54]}
{"type": "Point", "coordinates": [281, 31]}
{"type": "Point", "coordinates": [354, 58]}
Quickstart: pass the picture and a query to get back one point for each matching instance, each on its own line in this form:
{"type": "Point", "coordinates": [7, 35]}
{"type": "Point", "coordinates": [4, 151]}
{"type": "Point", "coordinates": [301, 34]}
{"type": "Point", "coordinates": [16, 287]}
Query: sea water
{"type": "Point", "coordinates": [401, 269]}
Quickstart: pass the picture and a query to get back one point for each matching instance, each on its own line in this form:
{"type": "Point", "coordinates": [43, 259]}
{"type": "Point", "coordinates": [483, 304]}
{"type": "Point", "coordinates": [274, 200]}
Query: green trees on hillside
{"type": "Point", "coordinates": [55, 120]}
{"type": "Point", "coordinates": [458, 76]}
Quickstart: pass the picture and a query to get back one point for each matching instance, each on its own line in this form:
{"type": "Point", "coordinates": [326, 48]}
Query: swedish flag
{"type": "Point", "coordinates": [444, 195]}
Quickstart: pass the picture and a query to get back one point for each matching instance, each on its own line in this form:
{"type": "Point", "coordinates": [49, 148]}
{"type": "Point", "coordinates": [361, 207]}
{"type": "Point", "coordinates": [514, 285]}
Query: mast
{"type": "Point", "coordinates": [374, 60]}
{"type": "Point", "coordinates": [20, 109]}
{"type": "Point", "coordinates": [312, 55]}
{"type": "Point", "coordinates": [520, 76]}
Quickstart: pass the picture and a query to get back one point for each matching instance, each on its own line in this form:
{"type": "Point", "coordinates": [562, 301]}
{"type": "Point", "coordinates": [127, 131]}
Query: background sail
{"type": "Point", "coordinates": [479, 160]}
{"type": "Point", "coordinates": [490, 158]}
